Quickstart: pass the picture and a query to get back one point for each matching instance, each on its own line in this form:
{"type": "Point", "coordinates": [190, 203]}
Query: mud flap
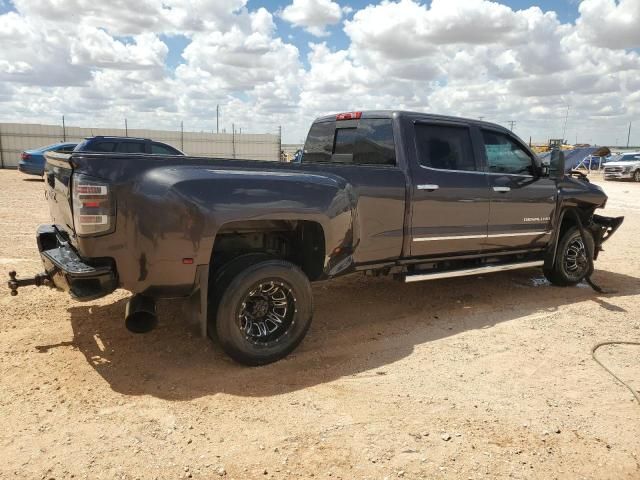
{"type": "Point", "coordinates": [198, 301]}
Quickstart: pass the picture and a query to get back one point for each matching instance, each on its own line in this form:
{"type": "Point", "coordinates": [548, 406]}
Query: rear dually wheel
{"type": "Point", "coordinates": [263, 312]}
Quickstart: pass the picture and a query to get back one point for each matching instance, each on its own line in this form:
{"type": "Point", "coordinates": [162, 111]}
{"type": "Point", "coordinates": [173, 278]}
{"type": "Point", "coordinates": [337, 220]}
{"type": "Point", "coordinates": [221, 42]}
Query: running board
{"type": "Point", "coordinates": [472, 271]}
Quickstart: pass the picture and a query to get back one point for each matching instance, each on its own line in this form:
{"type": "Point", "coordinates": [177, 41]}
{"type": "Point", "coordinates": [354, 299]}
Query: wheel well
{"type": "Point", "coordinates": [569, 220]}
{"type": "Point", "coordinates": [298, 241]}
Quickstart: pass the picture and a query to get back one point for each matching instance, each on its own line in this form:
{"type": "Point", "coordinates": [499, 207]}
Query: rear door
{"type": "Point", "coordinates": [362, 151]}
{"type": "Point", "coordinates": [522, 204]}
{"type": "Point", "coordinates": [449, 192]}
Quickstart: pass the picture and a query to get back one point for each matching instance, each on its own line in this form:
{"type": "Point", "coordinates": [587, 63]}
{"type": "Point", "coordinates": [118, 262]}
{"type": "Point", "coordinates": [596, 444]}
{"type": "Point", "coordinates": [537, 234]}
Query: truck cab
{"type": "Point", "coordinates": [454, 186]}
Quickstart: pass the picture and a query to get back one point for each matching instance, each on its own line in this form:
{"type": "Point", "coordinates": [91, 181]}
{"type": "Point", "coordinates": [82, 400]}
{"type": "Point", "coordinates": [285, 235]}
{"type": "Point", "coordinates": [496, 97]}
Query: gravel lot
{"type": "Point", "coordinates": [479, 377]}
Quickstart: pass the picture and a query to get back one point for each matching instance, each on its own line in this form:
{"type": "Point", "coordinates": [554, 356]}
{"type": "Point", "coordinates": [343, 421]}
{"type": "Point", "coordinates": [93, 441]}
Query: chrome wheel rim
{"type": "Point", "coordinates": [575, 258]}
{"type": "Point", "coordinates": [267, 312]}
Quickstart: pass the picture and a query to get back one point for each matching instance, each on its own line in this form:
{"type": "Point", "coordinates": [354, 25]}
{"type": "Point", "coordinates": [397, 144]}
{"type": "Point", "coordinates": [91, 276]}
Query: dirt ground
{"type": "Point", "coordinates": [479, 377]}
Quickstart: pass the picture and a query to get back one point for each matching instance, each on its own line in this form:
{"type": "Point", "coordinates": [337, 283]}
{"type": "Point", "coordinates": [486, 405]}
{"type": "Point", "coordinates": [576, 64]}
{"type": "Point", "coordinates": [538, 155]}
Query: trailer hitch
{"type": "Point", "coordinates": [41, 279]}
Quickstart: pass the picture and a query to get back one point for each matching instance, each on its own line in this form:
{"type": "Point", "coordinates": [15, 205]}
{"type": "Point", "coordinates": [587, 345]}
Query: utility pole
{"type": "Point", "coordinates": [217, 118]}
{"type": "Point", "coordinates": [629, 135]}
{"type": "Point", "coordinates": [64, 130]}
{"type": "Point", "coordinates": [566, 117]}
{"type": "Point", "coordinates": [512, 124]}
{"type": "Point", "coordinates": [126, 128]}
{"type": "Point", "coordinates": [480, 118]}
{"type": "Point", "coordinates": [233, 139]}
{"type": "Point", "coordinates": [182, 135]}
{"type": "Point", "coordinates": [280, 143]}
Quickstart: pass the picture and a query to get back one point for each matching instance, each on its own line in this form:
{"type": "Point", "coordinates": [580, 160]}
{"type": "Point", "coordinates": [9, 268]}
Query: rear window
{"type": "Point", "coordinates": [366, 142]}
{"type": "Point", "coordinates": [81, 147]}
{"type": "Point", "coordinates": [319, 145]}
{"type": "Point", "coordinates": [158, 149]}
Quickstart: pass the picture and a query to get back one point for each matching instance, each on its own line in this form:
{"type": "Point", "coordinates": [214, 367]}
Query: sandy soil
{"type": "Point", "coordinates": [485, 377]}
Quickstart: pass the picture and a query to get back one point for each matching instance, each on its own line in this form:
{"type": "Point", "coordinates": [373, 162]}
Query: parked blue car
{"type": "Point", "coordinates": [32, 161]}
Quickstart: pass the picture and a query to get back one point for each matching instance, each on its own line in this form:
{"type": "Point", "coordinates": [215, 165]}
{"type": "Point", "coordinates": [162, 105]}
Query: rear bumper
{"type": "Point", "coordinates": [31, 169]}
{"type": "Point", "coordinates": [84, 279]}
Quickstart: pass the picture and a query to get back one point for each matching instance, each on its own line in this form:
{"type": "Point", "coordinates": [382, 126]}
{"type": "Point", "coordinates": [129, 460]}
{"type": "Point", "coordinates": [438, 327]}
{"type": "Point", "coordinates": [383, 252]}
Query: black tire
{"type": "Point", "coordinates": [221, 279]}
{"type": "Point", "coordinates": [264, 311]}
{"type": "Point", "coordinates": [571, 265]}
{"type": "Point", "coordinates": [636, 176]}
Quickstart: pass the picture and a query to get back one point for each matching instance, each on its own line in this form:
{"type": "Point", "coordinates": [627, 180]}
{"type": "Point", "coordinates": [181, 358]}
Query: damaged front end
{"type": "Point", "coordinates": [602, 228]}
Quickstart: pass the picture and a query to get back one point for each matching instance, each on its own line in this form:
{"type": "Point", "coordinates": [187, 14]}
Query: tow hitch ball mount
{"type": "Point", "coordinates": [41, 279]}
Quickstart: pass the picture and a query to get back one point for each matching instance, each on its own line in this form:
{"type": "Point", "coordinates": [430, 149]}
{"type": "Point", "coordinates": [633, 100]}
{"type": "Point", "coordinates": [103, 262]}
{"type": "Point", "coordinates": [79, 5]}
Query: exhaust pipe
{"type": "Point", "coordinates": [140, 314]}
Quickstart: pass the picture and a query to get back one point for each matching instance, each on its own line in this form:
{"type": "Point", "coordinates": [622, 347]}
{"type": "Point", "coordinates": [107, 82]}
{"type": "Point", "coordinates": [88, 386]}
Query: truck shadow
{"type": "Point", "coordinates": [361, 326]}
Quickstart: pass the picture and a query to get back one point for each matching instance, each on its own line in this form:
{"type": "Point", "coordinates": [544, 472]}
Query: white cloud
{"type": "Point", "coordinates": [610, 23]}
{"type": "Point", "coordinates": [98, 49]}
{"type": "Point", "coordinates": [461, 57]}
{"type": "Point", "coordinates": [313, 15]}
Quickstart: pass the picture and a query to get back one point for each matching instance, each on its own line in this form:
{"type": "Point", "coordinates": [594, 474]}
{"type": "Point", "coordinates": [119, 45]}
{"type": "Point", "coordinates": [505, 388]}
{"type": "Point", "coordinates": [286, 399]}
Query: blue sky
{"type": "Point", "coordinates": [475, 58]}
{"type": "Point", "coordinates": [567, 11]}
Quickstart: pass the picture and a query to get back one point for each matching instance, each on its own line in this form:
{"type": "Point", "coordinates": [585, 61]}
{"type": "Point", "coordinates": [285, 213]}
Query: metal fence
{"type": "Point", "coordinates": [17, 137]}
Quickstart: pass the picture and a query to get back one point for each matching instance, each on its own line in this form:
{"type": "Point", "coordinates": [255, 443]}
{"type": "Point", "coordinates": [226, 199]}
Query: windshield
{"type": "Point", "coordinates": [634, 157]}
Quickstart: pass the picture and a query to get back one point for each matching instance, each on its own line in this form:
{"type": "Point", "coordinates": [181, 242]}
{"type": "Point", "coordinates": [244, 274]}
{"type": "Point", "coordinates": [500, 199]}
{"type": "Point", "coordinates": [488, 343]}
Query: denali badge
{"type": "Point", "coordinates": [536, 219]}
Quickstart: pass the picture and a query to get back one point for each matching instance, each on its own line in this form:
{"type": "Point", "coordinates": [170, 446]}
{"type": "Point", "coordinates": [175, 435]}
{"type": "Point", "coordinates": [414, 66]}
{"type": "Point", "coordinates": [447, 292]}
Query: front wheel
{"type": "Point", "coordinates": [572, 264]}
{"type": "Point", "coordinates": [636, 176]}
{"type": "Point", "coordinates": [264, 312]}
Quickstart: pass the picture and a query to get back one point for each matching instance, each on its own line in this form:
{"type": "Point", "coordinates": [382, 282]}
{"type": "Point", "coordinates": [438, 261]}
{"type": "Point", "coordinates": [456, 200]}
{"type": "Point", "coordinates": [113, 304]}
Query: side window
{"type": "Point", "coordinates": [131, 147]}
{"type": "Point", "coordinates": [319, 144]}
{"type": "Point", "coordinates": [102, 147]}
{"type": "Point", "coordinates": [444, 147]}
{"type": "Point", "coordinates": [158, 149]}
{"type": "Point", "coordinates": [504, 155]}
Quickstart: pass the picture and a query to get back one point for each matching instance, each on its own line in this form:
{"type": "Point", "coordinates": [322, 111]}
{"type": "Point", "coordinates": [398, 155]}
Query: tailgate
{"type": "Point", "coordinates": [57, 178]}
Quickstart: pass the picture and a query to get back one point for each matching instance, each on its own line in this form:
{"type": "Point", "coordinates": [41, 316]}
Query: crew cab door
{"type": "Point", "coordinates": [522, 203]}
{"type": "Point", "coordinates": [449, 192]}
{"type": "Point", "coordinates": [362, 152]}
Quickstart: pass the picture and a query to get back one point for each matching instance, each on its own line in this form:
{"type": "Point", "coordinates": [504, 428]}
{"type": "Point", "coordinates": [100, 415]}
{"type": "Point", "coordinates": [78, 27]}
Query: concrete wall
{"type": "Point", "coordinates": [17, 137]}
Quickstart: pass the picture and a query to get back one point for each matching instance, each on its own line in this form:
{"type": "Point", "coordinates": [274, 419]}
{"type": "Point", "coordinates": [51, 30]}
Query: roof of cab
{"type": "Point", "coordinates": [407, 113]}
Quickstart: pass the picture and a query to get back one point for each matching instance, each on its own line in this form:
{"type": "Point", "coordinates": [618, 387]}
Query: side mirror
{"type": "Point", "coordinates": [543, 170]}
{"type": "Point", "coordinates": [556, 164]}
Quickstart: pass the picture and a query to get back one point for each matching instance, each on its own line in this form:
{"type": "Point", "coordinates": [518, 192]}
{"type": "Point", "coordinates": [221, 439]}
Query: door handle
{"type": "Point", "coordinates": [502, 189]}
{"type": "Point", "coordinates": [427, 187]}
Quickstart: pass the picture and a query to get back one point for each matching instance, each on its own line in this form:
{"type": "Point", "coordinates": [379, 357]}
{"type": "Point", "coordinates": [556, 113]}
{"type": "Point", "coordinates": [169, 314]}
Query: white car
{"type": "Point", "coordinates": [626, 165]}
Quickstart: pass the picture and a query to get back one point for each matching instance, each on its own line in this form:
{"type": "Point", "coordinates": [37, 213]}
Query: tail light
{"type": "Point", "coordinates": [93, 207]}
{"type": "Point", "coordinates": [25, 156]}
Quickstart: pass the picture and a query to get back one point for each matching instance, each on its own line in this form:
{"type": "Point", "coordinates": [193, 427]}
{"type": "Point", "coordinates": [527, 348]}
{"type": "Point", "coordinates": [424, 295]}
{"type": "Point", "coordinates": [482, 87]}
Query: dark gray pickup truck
{"type": "Point", "coordinates": [386, 192]}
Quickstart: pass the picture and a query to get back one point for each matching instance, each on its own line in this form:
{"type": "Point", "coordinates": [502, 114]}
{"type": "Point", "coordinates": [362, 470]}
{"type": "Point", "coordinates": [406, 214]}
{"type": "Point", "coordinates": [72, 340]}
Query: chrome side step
{"type": "Point", "coordinates": [472, 271]}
